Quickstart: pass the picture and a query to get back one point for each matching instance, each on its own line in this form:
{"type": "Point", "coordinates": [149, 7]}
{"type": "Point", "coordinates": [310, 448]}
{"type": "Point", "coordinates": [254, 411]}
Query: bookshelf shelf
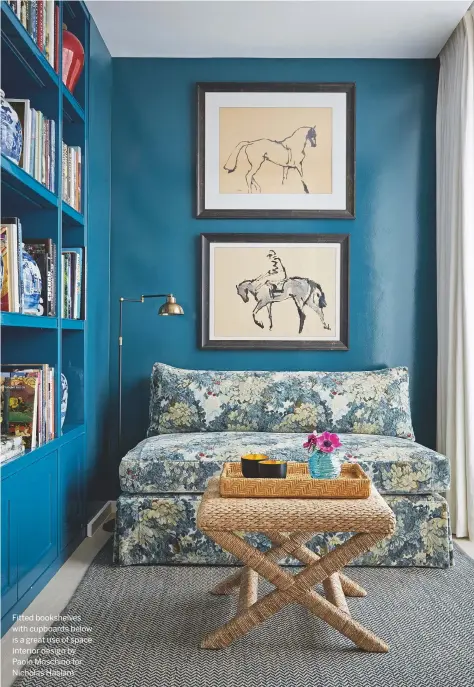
{"type": "Point", "coordinates": [72, 111]}
{"type": "Point", "coordinates": [71, 217]}
{"type": "Point", "coordinates": [26, 187]}
{"type": "Point", "coordinates": [25, 52]}
{"type": "Point", "coordinates": [15, 319]}
{"type": "Point", "coordinates": [71, 324]}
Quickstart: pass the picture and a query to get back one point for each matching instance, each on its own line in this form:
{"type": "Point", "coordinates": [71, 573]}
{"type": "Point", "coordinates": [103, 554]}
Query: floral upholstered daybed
{"type": "Point", "coordinates": [199, 419]}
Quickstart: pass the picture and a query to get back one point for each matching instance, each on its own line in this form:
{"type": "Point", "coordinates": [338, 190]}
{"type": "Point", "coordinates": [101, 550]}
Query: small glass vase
{"type": "Point", "coordinates": [324, 465]}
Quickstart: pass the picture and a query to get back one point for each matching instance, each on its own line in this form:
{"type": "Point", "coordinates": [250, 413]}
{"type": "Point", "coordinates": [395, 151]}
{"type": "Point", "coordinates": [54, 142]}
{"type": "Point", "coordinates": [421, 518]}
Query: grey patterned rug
{"type": "Point", "coordinates": [145, 624]}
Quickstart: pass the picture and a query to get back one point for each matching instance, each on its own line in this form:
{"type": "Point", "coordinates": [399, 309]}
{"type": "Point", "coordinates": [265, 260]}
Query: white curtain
{"type": "Point", "coordinates": [455, 264]}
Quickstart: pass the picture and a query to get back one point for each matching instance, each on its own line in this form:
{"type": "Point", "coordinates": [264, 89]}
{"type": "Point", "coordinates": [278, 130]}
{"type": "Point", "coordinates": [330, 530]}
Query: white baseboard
{"type": "Point", "coordinates": [101, 517]}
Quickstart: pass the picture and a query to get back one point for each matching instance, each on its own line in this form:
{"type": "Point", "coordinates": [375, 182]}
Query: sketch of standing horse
{"type": "Point", "coordinates": [288, 154]}
{"type": "Point", "coordinates": [304, 292]}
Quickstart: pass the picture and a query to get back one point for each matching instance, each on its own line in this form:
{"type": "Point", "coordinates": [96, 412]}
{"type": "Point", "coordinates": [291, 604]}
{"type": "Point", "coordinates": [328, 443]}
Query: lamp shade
{"type": "Point", "coordinates": [170, 307]}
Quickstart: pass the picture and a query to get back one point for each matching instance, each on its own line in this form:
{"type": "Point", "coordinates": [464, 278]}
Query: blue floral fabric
{"type": "Point", "coordinates": [350, 402]}
{"type": "Point", "coordinates": [156, 530]}
{"type": "Point", "coordinates": [176, 463]}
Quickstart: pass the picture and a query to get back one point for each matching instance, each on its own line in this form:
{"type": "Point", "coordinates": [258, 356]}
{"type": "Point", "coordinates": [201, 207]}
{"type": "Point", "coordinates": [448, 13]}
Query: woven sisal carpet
{"type": "Point", "coordinates": [146, 624]}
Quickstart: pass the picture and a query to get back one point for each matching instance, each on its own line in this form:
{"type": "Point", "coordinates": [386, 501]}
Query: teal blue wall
{"type": "Point", "coordinates": [98, 258]}
{"type": "Point", "coordinates": [155, 234]}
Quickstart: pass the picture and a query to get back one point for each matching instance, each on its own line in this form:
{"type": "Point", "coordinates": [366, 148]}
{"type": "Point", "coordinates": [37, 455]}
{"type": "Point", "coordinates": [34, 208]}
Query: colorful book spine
{"type": "Point", "coordinates": [13, 253]}
{"type": "Point", "coordinates": [64, 172]}
{"type": "Point", "coordinates": [33, 142]}
{"type": "Point", "coordinates": [7, 288]}
{"type": "Point", "coordinates": [52, 181]}
{"type": "Point", "coordinates": [19, 234]}
{"type": "Point", "coordinates": [56, 38]}
{"type": "Point", "coordinates": [22, 412]}
{"type": "Point", "coordinates": [4, 398]}
{"type": "Point", "coordinates": [40, 24]}
{"type": "Point", "coordinates": [54, 281]}
{"type": "Point", "coordinates": [24, 13]}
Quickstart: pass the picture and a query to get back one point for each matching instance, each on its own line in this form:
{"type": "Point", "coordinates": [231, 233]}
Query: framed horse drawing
{"type": "Point", "coordinates": [280, 291]}
{"type": "Point", "coordinates": [272, 150]}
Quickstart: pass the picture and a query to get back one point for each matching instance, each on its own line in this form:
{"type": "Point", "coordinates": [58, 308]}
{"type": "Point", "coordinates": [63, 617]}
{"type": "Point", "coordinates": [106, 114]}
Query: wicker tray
{"type": "Point", "coordinates": [352, 483]}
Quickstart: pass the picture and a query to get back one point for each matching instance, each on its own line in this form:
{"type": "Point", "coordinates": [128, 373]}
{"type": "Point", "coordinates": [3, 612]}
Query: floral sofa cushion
{"type": "Point", "coordinates": [177, 463]}
{"type": "Point", "coordinates": [210, 401]}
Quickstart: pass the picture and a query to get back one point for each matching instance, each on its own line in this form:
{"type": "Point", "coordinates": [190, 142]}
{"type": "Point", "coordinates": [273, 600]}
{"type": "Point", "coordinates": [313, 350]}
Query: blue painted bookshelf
{"type": "Point", "coordinates": [43, 491]}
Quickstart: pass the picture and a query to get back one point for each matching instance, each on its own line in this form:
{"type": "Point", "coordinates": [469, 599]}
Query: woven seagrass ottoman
{"type": "Point", "coordinates": [290, 523]}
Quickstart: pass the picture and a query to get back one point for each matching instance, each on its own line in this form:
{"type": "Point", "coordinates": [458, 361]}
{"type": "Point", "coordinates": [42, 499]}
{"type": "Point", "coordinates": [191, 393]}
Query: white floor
{"type": "Point", "coordinates": [54, 597]}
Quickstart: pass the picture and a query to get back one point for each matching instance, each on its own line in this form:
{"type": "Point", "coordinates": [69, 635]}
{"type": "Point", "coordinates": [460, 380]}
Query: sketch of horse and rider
{"type": "Point", "coordinates": [274, 286]}
{"type": "Point", "coordinates": [289, 153]}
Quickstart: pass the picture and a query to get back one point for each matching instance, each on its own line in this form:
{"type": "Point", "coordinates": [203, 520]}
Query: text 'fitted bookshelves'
{"type": "Point", "coordinates": [43, 489]}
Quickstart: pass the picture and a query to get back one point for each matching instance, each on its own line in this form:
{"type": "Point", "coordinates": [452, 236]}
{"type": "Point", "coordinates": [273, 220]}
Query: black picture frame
{"type": "Point", "coordinates": [215, 87]}
{"type": "Point", "coordinates": [271, 344]}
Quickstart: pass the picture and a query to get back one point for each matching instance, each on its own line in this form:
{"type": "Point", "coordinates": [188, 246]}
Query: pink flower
{"type": "Point", "coordinates": [327, 442]}
{"type": "Point", "coordinates": [312, 442]}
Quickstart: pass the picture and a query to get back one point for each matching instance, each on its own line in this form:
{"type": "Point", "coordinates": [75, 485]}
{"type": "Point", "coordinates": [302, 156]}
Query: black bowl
{"type": "Point", "coordinates": [250, 464]}
{"type": "Point", "coordinates": [272, 468]}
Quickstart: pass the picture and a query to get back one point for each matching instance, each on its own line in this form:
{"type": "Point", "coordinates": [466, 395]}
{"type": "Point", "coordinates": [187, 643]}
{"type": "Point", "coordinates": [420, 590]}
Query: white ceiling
{"type": "Point", "coordinates": [277, 28]}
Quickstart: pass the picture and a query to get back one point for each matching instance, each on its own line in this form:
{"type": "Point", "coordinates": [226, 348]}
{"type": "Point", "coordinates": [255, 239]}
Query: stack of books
{"type": "Point", "coordinates": [27, 399]}
{"type": "Point", "coordinates": [10, 447]}
{"type": "Point", "coordinates": [38, 152]}
{"type": "Point", "coordinates": [72, 267]}
{"type": "Point", "coordinates": [41, 19]}
{"type": "Point", "coordinates": [42, 253]}
{"type": "Point", "coordinates": [71, 169]}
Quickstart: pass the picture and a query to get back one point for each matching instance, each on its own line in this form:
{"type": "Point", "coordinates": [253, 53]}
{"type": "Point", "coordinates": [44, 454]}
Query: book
{"type": "Point", "coordinates": [23, 110]}
{"type": "Point", "coordinates": [31, 170]}
{"type": "Point", "coordinates": [64, 172]}
{"type": "Point", "coordinates": [45, 179]}
{"type": "Point", "coordinates": [4, 396]}
{"type": "Point", "coordinates": [39, 254]}
{"type": "Point", "coordinates": [22, 408]}
{"type": "Point", "coordinates": [52, 182]}
{"type": "Point", "coordinates": [31, 19]}
{"type": "Point", "coordinates": [8, 443]}
{"type": "Point", "coordinates": [68, 285]}
{"type": "Point", "coordinates": [7, 288]}
{"type": "Point", "coordinates": [43, 150]}
{"type": "Point", "coordinates": [45, 406]}
{"type": "Point", "coordinates": [43, 252]}
{"type": "Point", "coordinates": [10, 447]}
{"type": "Point", "coordinates": [53, 277]}
{"type": "Point", "coordinates": [40, 24]}
{"type": "Point", "coordinates": [72, 176]}
{"type": "Point", "coordinates": [56, 38]}
{"type": "Point", "coordinates": [69, 176]}
{"type": "Point", "coordinates": [38, 137]}
{"type": "Point", "coordinates": [11, 237]}
{"type": "Point", "coordinates": [11, 453]}
{"type": "Point", "coordinates": [77, 255]}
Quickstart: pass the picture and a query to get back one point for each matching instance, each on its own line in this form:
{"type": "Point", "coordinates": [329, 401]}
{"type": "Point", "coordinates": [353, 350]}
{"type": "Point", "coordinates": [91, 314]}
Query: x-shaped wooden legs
{"type": "Point", "coordinates": [292, 588]}
{"type": "Point", "coordinates": [294, 545]}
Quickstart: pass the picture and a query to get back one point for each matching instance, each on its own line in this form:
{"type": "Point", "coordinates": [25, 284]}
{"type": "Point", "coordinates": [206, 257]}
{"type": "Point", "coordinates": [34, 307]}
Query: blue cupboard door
{"type": "Point", "coordinates": [9, 546]}
{"type": "Point", "coordinates": [71, 490]}
{"type": "Point", "coordinates": [37, 515]}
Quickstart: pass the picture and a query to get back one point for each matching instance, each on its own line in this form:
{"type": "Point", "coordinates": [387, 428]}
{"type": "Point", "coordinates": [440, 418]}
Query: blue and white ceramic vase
{"type": "Point", "coordinates": [64, 398]}
{"type": "Point", "coordinates": [32, 283]}
{"type": "Point", "coordinates": [324, 465]}
{"type": "Point", "coordinates": [12, 136]}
